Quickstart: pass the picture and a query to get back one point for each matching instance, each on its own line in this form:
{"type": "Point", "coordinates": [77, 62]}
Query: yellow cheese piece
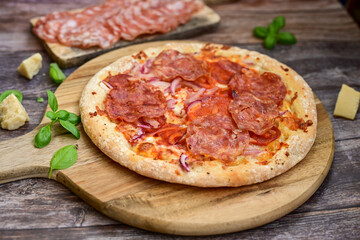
{"type": "Point", "coordinates": [12, 113]}
{"type": "Point", "coordinates": [30, 66]}
{"type": "Point", "coordinates": [347, 102]}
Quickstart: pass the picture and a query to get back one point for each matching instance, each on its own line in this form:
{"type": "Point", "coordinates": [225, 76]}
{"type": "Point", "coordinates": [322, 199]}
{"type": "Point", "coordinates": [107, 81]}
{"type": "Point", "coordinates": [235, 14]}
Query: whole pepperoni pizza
{"type": "Point", "coordinates": [200, 114]}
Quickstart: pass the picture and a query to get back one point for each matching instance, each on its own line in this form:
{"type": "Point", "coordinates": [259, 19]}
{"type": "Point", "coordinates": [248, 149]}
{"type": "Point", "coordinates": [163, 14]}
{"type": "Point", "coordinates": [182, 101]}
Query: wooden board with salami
{"type": "Point", "coordinates": [72, 46]}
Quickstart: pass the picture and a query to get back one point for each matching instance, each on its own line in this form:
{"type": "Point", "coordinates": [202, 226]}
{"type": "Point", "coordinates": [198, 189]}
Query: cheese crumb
{"type": "Point", "coordinates": [30, 66]}
{"type": "Point", "coordinates": [347, 102]}
{"type": "Point", "coordinates": [12, 113]}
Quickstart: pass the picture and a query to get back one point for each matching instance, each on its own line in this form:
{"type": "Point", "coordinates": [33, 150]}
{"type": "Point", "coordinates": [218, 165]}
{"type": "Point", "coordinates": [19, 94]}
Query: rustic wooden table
{"type": "Point", "coordinates": [327, 54]}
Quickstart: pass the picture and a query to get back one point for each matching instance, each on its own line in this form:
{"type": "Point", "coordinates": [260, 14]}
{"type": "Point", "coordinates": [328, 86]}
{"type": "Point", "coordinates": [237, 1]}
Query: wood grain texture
{"type": "Point", "coordinates": [205, 20]}
{"type": "Point", "coordinates": [155, 205]}
{"type": "Point", "coordinates": [35, 208]}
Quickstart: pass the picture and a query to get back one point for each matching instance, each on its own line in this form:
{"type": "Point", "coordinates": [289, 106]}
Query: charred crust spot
{"type": "Point", "coordinates": [287, 154]}
{"type": "Point", "coordinates": [144, 147]}
{"type": "Point", "coordinates": [284, 68]}
{"type": "Point", "coordinates": [225, 47]}
{"type": "Point", "coordinates": [294, 98]}
{"type": "Point", "coordinates": [207, 173]}
{"type": "Point", "coordinates": [140, 55]}
{"type": "Point", "coordinates": [94, 114]}
{"type": "Point", "coordinates": [93, 93]}
{"type": "Point", "coordinates": [209, 47]}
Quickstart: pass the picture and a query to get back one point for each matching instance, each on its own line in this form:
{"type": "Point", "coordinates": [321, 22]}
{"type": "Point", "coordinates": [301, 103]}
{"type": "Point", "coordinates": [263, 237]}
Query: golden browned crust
{"type": "Point", "coordinates": [211, 173]}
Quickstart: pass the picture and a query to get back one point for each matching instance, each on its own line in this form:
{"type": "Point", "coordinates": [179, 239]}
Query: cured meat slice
{"type": "Point", "coordinates": [170, 64]}
{"type": "Point", "coordinates": [216, 136]}
{"type": "Point", "coordinates": [208, 106]}
{"type": "Point", "coordinates": [130, 101]}
{"type": "Point", "coordinates": [267, 86]}
{"type": "Point", "coordinates": [222, 71]}
{"type": "Point", "coordinates": [271, 135]}
{"type": "Point", "coordinates": [103, 25]}
{"type": "Point", "coordinates": [251, 114]}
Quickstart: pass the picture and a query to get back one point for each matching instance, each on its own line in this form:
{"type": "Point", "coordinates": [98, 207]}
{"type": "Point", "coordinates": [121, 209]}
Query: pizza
{"type": "Point", "coordinates": [199, 114]}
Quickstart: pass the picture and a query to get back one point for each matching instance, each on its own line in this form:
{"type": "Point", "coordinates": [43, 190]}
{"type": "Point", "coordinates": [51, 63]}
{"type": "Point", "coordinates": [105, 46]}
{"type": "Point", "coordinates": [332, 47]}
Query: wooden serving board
{"type": "Point", "coordinates": [155, 205]}
{"type": "Point", "coordinates": [205, 20]}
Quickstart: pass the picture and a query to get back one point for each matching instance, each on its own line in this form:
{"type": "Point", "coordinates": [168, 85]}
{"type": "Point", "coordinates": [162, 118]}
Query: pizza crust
{"type": "Point", "coordinates": [211, 173]}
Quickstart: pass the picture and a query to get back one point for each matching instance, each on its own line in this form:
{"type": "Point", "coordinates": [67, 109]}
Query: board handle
{"type": "Point", "coordinates": [19, 159]}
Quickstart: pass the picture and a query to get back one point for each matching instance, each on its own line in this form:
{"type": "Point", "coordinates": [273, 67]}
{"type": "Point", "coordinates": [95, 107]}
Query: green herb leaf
{"type": "Point", "coordinates": [270, 41]}
{"type": "Point", "coordinates": [17, 94]}
{"type": "Point", "coordinates": [43, 137]}
{"type": "Point", "coordinates": [260, 32]}
{"type": "Point", "coordinates": [62, 114]}
{"type": "Point", "coordinates": [63, 158]}
{"type": "Point", "coordinates": [56, 74]}
{"type": "Point", "coordinates": [279, 22]}
{"type": "Point", "coordinates": [73, 118]}
{"type": "Point", "coordinates": [71, 128]}
{"type": "Point", "coordinates": [53, 103]}
{"type": "Point", "coordinates": [40, 99]}
{"type": "Point", "coordinates": [286, 38]}
{"type": "Point", "coordinates": [51, 115]}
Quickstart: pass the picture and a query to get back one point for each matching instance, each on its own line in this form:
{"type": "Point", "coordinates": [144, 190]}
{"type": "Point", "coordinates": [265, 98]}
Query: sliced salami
{"type": "Point", "coordinates": [267, 86]}
{"type": "Point", "coordinates": [130, 101]}
{"type": "Point", "coordinates": [223, 70]}
{"type": "Point", "coordinates": [171, 64]}
{"type": "Point", "coordinates": [216, 136]}
{"type": "Point", "coordinates": [251, 114]}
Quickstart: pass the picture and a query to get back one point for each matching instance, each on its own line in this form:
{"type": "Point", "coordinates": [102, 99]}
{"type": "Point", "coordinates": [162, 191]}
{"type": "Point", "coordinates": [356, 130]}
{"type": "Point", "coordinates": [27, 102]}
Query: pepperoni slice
{"type": "Point", "coordinates": [170, 64]}
{"type": "Point", "coordinates": [252, 114]}
{"type": "Point", "coordinates": [222, 71]}
{"type": "Point", "coordinates": [263, 140]}
{"type": "Point", "coordinates": [216, 136]}
{"type": "Point", "coordinates": [208, 106]}
{"type": "Point", "coordinates": [130, 101]}
{"type": "Point", "coordinates": [267, 86]}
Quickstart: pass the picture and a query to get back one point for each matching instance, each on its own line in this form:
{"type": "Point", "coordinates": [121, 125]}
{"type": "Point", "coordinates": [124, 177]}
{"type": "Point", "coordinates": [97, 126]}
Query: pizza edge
{"type": "Point", "coordinates": [211, 173]}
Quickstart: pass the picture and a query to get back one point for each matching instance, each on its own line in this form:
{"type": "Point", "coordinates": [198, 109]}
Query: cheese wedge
{"type": "Point", "coordinates": [347, 103]}
{"type": "Point", "coordinates": [30, 66]}
{"type": "Point", "coordinates": [12, 113]}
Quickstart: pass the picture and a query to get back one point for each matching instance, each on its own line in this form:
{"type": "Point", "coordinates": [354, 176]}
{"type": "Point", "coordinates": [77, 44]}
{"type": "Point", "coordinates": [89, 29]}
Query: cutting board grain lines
{"type": "Point", "coordinates": [155, 205]}
{"type": "Point", "coordinates": [206, 20]}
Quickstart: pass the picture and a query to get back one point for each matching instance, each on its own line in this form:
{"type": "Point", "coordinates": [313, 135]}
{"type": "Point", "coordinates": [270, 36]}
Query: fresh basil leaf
{"type": "Point", "coordinates": [260, 32]}
{"type": "Point", "coordinates": [40, 99]}
{"type": "Point", "coordinates": [17, 94]}
{"type": "Point", "coordinates": [62, 114]}
{"type": "Point", "coordinates": [270, 41]}
{"type": "Point", "coordinates": [286, 38]}
{"type": "Point", "coordinates": [63, 158]}
{"type": "Point", "coordinates": [71, 128]}
{"type": "Point", "coordinates": [43, 137]}
{"type": "Point", "coordinates": [53, 103]}
{"type": "Point", "coordinates": [73, 118]}
{"type": "Point", "coordinates": [56, 74]}
{"type": "Point", "coordinates": [51, 115]}
{"type": "Point", "coordinates": [279, 22]}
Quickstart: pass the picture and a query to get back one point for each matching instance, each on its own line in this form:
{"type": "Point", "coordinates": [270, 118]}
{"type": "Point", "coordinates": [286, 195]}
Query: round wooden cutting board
{"type": "Point", "coordinates": [155, 205]}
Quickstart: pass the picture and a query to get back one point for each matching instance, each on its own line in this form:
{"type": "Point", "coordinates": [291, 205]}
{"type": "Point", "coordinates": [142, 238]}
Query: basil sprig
{"type": "Point", "coordinates": [67, 120]}
{"type": "Point", "coordinates": [63, 158]}
{"type": "Point", "coordinates": [271, 34]}
{"type": "Point", "coordinates": [17, 94]}
{"type": "Point", "coordinates": [56, 74]}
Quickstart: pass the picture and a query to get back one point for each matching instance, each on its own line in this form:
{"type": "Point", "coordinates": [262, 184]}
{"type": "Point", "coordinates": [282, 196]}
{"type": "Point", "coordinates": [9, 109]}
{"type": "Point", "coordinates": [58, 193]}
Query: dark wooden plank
{"type": "Point", "coordinates": [294, 226]}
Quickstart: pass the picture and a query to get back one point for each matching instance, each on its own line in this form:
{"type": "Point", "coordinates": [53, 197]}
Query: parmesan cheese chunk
{"type": "Point", "coordinates": [30, 66]}
{"type": "Point", "coordinates": [12, 113]}
{"type": "Point", "coordinates": [347, 102]}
